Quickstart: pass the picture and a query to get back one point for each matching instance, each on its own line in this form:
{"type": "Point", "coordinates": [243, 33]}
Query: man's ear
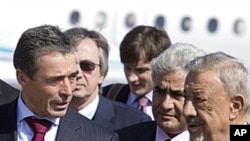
{"type": "Point", "coordinates": [101, 79]}
{"type": "Point", "coordinates": [21, 77]}
{"type": "Point", "coordinates": [236, 106]}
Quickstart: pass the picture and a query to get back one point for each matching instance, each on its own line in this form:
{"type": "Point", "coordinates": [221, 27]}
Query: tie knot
{"type": "Point", "coordinates": [142, 101]}
{"type": "Point", "coordinates": [38, 125]}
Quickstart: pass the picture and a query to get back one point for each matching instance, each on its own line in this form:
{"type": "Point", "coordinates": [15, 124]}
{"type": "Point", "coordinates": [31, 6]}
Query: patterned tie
{"type": "Point", "coordinates": [143, 102]}
{"type": "Point", "coordinates": [39, 127]}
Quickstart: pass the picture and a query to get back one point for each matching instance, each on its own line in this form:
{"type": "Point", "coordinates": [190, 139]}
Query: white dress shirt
{"type": "Point", "coordinates": [24, 132]}
{"type": "Point", "coordinates": [90, 110]}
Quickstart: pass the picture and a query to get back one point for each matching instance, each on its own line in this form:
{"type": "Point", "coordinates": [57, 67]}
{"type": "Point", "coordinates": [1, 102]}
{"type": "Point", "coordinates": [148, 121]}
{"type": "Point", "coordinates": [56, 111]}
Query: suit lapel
{"type": "Point", "coordinates": [8, 121]}
{"type": "Point", "coordinates": [69, 127]}
{"type": "Point", "coordinates": [148, 132]}
{"type": "Point", "coordinates": [11, 136]}
{"type": "Point", "coordinates": [104, 113]}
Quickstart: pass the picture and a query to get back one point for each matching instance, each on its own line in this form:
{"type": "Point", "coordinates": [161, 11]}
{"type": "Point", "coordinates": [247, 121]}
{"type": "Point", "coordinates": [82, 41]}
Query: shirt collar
{"type": "Point", "coordinates": [161, 135]}
{"type": "Point", "coordinates": [132, 98]}
{"type": "Point", "coordinates": [90, 109]}
{"type": "Point", "coordinates": [23, 111]}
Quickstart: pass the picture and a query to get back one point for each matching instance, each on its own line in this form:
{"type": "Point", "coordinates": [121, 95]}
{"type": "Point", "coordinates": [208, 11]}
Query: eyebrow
{"type": "Point", "coordinates": [58, 77]}
{"type": "Point", "coordinates": [74, 74]}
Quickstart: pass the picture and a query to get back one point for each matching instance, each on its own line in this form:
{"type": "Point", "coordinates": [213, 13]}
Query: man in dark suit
{"type": "Point", "coordinates": [115, 115]}
{"type": "Point", "coordinates": [7, 92]}
{"type": "Point", "coordinates": [46, 69]}
{"type": "Point", "coordinates": [137, 49]}
{"type": "Point", "coordinates": [72, 126]}
{"type": "Point", "coordinates": [92, 51]}
{"type": "Point", "coordinates": [168, 73]}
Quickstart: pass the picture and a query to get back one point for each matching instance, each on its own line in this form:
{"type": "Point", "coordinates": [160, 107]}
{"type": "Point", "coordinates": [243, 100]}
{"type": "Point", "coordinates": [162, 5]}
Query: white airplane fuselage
{"type": "Point", "coordinates": [213, 25]}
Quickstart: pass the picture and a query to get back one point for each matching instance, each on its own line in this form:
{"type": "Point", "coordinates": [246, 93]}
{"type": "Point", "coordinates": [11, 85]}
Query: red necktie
{"type": "Point", "coordinates": [143, 102]}
{"type": "Point", "coordinates": [39, 127]}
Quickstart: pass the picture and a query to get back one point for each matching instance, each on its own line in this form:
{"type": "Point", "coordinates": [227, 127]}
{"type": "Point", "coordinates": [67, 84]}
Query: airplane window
{"type": "Point", "coordinates": [130, 20]}
{"type": "Point", "coordinates": [100, 19]}
{"type": "Point", "coordinates": [160, 21]}
{"type": "Point", "coordinates": [239, 26]}
{"type": "Point", "coordinates": [75, 17]}
{"type": "Point", "coordinates": [212, 25]}
{"type": "Point", "coordinates": [186, 24]}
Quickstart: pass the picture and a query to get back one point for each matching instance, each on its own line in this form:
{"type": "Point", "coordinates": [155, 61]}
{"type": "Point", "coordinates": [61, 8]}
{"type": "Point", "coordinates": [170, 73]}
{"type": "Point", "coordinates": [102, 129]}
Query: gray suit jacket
{"type": "Point", "coordinates": [7, 92]}
{"type": "Point", "coordinates": [73, 126]}
{"type": "Point", "coordinates": [115, 115]}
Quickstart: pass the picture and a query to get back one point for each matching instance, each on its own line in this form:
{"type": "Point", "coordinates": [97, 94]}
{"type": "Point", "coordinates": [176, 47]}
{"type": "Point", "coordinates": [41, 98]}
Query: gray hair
{"type": "Point", "coordinates": [233, 74]}
{"type": "Point", "coordinates": [77, 34]}
{"type": "Point", "coordinates": [175, 58]}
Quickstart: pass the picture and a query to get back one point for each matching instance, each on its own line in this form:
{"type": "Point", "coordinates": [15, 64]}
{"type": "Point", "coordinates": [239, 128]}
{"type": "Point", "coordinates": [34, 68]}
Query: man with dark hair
{"type": "Point", "coordinates": [46, 69]}
{"type": "Point", "coordinates": [137, 49]}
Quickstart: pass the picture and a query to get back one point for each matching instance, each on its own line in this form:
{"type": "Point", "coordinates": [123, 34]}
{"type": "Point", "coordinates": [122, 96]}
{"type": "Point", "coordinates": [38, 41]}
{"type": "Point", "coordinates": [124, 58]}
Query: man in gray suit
{"type": "Point", "coordinates": [92, 51]}
{"type": "Point", "coordinates": [46, 69]}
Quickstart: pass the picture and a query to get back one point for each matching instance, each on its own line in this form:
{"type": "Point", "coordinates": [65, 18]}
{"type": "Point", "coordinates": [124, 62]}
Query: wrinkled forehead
{"type": "Point", "coordinates": [172, 79]}
{"type": "Point", "coordinates": [203, 81]}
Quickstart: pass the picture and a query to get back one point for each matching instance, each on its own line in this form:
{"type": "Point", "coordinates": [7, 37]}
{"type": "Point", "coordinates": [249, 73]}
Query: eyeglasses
{"type": "Point", "coordinates": [88, 66]}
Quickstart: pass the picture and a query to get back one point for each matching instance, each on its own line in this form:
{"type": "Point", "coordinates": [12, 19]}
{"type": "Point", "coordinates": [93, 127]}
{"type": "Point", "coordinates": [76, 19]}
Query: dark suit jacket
{"type": "Point", "coordinates": [115, 115]}
{"type": "Point", "coordinates": [7, 92]}
{"type": "Point", "coordinates": [121, 96]}
{"type": "Point", "coordinates": [73, 126]}
{"type": "Point", "coordinates": [140, 132]}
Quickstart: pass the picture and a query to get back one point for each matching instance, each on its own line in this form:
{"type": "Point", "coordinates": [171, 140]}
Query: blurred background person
{"type": "Point", "coordinates": [7, 92]}
{"type": "Point", "coordinates": [137, 49]}
{"type": "Point", "coordinates": [92, 51]}
{"type": "Point", "coordinates": [168, 73]}
{"type": "Point", "coordinates": [217, 96]}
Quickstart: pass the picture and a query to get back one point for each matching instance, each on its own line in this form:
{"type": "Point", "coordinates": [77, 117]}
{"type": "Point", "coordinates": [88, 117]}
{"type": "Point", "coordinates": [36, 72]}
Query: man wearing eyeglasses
{"type": "Point", "coordinates": [92, 51]}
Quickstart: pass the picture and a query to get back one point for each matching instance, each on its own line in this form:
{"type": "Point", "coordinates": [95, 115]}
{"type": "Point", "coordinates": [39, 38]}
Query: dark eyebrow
{"type": "Point", "coordinates": [60, 77]}
{"type": "Point", "coordinates": [54, 78]}
{"type": "Point", "coordinates": [74, 74]}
